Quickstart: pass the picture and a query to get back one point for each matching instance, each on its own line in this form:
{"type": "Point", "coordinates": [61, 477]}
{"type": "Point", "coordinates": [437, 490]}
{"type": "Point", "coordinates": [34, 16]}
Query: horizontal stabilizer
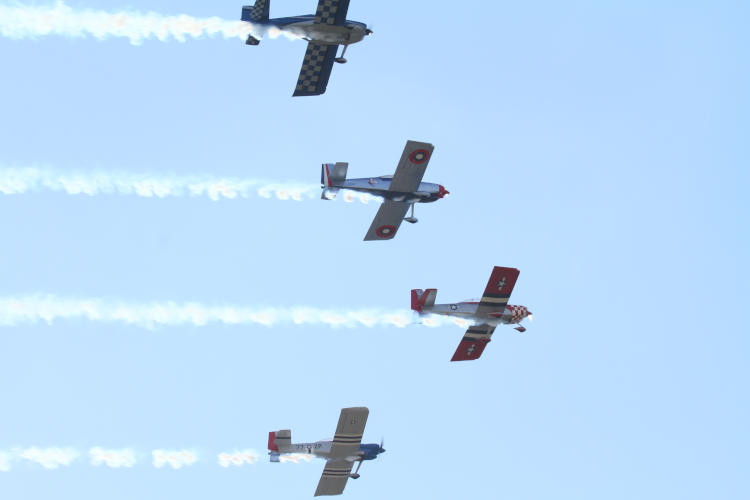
{"type": "Point", "coordinates": [329, 193]}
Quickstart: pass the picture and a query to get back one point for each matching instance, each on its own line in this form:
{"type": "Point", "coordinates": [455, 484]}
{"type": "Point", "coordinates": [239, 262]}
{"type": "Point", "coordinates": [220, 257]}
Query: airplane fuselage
{"type": "Point", "coordinates": [378, 186]}
{"type": "Point", "coordinates": [322, 449]}
{"type": "Point", "coordinates": [510, 314]}
{"type": "Point", "coordinates": [323, 34]}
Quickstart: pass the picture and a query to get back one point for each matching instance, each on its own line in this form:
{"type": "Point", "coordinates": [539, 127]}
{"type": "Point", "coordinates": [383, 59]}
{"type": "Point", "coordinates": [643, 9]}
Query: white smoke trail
{"type": "Point", "coordinates": [5, 459]}
{"type": "Point", "coordinates": [176, 459]}
{"type": "Point", "coordinates": [112, 458]}
{"type": "Point", "coordinates": [23, 180]}
{"type": "Point", "coordinates": [238, 458]}
{"type": "Point", "coordinates": [59, 19]}
{"type": "Point", "coordinates": [295, 458]}
{"type": "Point", "coordinates": [350, 196]}
{"type": "Point", "coordinates": [48, 308]}
{"type": "Point", "coordinates": [49, 458]}
{"type": "Point", "coordinates": [33, 179]}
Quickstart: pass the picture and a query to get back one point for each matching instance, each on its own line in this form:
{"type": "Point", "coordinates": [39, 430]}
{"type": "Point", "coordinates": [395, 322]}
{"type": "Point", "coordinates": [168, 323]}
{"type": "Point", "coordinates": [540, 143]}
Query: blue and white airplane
{"type": "Point", "coordinates": [324, 31]}
{"type": "Point", "coordinates": [339, 453]}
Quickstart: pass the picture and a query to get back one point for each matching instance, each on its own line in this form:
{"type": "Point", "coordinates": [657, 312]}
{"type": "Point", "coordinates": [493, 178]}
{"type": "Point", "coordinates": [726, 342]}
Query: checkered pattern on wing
{"type": "Point", "coordinates": [312, 65]}
{"type": "Point", "coordinates": [326, 13]}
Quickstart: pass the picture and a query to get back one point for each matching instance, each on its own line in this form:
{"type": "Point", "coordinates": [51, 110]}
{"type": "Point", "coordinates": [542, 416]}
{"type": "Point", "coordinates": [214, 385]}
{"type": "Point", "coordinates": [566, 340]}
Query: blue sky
{"type": "Point", "coordinates": [601, 148]}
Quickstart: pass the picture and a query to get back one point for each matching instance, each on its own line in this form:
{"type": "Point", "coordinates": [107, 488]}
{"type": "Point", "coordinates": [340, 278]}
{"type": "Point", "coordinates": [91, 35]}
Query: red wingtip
{"type": "Point", "coordinates": [469, 349]}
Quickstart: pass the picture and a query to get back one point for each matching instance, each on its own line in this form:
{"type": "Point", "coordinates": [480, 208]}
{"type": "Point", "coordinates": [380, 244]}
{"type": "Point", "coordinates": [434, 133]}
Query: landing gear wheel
{"type": "Point", "coordinates": [411, 218]}
{"type": "Point", "coordinates": [341, 59]}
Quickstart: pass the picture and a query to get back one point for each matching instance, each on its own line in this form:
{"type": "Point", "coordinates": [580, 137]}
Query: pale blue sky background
{"type": "Point", "coordinates": [600, 147]}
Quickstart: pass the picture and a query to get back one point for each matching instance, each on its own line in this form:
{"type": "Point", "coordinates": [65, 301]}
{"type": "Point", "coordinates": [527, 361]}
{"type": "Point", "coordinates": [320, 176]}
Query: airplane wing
{"type": "Point", "coordinates": [411, 167]}
{"type": "Point", "coordinates": [331, 12]}
{"type": "Point", "coordinates": [349, 432]}
{"type": "Point", "coordinates": [335, 475]}
{"type": "Point", "coordinates": [345, 444]}
{"type": "Point", "coordinates": [472, 345]}
{"type": "Point", "coordinates": [495, 298]}
{"type": "Point", "coordinates": [387, 220]}
{"type": "Point", "coordinates": [498, 290]}
{"type": "Point", "coordinates": [316, 69]}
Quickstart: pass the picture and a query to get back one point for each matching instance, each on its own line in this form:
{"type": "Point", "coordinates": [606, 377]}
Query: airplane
{"type": "Point", "coordinates": [488, 312]}
{"type": "Point", "coordinates": [324, 31]}
{"type": "Point", "coordinates": [401, 190]}
{"type": "Point", "coordinates": [339, 453]}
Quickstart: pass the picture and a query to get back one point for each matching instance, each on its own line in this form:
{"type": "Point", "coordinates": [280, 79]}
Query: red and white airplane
{"type": "Point", "coordinates": [488, 312]}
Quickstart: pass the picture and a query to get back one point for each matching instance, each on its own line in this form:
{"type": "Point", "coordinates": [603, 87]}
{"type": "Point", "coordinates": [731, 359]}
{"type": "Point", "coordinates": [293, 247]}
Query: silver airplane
{"type": "Point", "coordinates": [324, 31]}
{"type": "Point", "coordinates": [339, 453]}
{"type": "Point", "coordinates": [488, 312]}
{"type": "Point", "coordinates": [401, 190]}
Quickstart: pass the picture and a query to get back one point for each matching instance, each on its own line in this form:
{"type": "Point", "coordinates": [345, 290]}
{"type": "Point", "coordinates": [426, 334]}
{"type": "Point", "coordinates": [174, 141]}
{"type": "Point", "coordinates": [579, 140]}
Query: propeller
{"type": "Point", "coordinates": [381, 449]}
{"type": "Point", "coordinates": [531, 318]}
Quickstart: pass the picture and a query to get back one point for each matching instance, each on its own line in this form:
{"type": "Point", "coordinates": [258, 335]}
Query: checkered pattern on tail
{"type": "Point", "coordinates": [316, 69]}
{"type": "Point", "coordinates": [258, 13]}
{"type": "Point", "coordinates": [331, 12]}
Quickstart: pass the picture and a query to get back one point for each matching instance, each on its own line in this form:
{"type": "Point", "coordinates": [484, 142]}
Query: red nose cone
{"type": "Point", "coordinates": [442, 191]}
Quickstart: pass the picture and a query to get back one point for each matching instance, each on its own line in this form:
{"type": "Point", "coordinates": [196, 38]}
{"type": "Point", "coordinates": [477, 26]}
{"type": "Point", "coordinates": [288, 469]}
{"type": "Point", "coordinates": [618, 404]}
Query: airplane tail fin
{"type": "Point", "coordinates": [332, 176]}
{"type": "Point", "coordinates": [423, 298]}
{"type": "Point", "coordinates": [257, 14]}
{"type": "Point", "coordinates": [279, 442]}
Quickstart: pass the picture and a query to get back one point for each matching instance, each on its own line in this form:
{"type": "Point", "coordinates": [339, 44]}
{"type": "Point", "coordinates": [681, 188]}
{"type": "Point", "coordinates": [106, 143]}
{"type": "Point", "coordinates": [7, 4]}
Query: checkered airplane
{"type": "Point", "coordinates": [488, 312]}
{"type": "Point", "coordinates": [401, 190]}
{"type": "Point", "coordinates": [339, 453]}
{"type": "Point", "coordinates": [324, 31]}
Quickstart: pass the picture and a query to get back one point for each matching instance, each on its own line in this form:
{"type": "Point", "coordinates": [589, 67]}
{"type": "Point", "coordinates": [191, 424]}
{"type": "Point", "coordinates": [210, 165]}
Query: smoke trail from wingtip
{"type": "Point", "coordinates": [175, 459]}
{"type": "Point", "coordinates": [21, 21]}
